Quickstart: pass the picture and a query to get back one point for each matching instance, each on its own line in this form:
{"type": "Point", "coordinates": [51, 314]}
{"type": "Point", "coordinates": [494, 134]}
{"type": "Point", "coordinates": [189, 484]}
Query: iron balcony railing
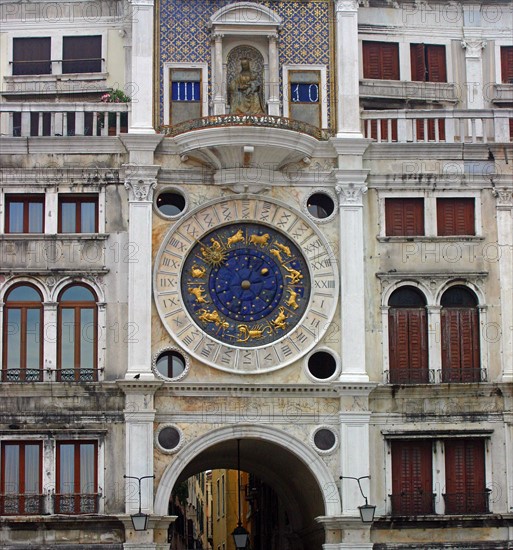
{"type": "Point", "coordinates": [265, 121]}
{"type": "Point", "coordinates": [409, 376]}
{"type": "Point", "coordinates": [462, 375]}
{"type": "Point", "coordinates": [418, 503]}
{"type": "Point", "coordinates": [76, 503]}
{"type": "Point", "coordinates": [22, 375]}
{"type": "Point", "coordinates": [22, 505]}
{"type": "Point", "coordinates": [467, 503]}
{"type": "Point", "coordinates": [77, 375]}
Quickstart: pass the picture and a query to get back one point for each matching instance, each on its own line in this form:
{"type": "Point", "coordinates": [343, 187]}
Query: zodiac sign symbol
{"type": "Point", "coordinates": [259, 240]}
{"type": "Point", "coordinates": [291, 302]}
{"type": "Point", "coordinates": [279, 322]}
{"type": "Point", "coordinates": [214, 254]}
{"type": "Point", "coordinates": [235, 238]}
{"type": "Point", "coordinates": [294, 275]}
{"type": "Point", "coordinates": [283, 248]}
{"type": "Point", "coordinates": [198, 272]}
{"type": "Point", "coordinates": [256, 333]}
{"type": "Point", "coordinates": [276, 253]}
{"type": "Point", "coordinates": [198, 293]}
{"type": "Point", "coordinates": [212, 317]}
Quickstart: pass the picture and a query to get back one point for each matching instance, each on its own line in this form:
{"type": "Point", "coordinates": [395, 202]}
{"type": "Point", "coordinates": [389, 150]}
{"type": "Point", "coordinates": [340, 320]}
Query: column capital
{"type": "Point", "coordinates": [504, 198]}
{"type": "Point", "coordinates": [217, 36]}
{"type": "Point", "coordinates": [350, 194]}
{"type": "Point", "coordinates": [473, 47]}
{"type": "Point", "coordinates": [346, 5]}
{"type": "Point", "coordinates": [140, 190]}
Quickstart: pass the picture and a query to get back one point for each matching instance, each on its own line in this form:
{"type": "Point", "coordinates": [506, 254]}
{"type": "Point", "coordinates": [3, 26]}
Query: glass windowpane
{"type": "Point", "coordinates": [67, 468]}
{"type": "Point", "coordinates": [87, 468]}
{"type": "Point", "coordinates": [88, 215]}
{"type": "Point", "coordinates": [67, 336]}
{"type": "Point", "coordinates": [86, 338]}
{"type": "Point", "coordinates": [13, 338]}
{"type": "Point", "coordinates": [33, 338]}
{"type": "Point", "coordinates": [68, 217]}
{"type": "Point", "coordinates": [15, 217]}
{"type": "Point", "coordinates": [35, 217]}
{"type": "Point", "coordinates": [12, 469]}
{"type": "Point", "coordinates": [77, 293]}
{"type": "Point", "coordinates": [24, 294]}
{"type": "Point", "coordinates": [32, 470]}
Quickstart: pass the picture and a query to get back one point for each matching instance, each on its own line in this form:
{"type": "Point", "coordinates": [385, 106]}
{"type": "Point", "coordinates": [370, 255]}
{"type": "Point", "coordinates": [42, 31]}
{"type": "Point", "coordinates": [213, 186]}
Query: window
{"type": "Point", "coordinates": [455, 216]}
{"type": "Point", "coordinates": [465, 490]}
{"type": "Point", "coordinates": [186, 99]}
{"type": "Point", "coordinates": [77, 478]}
{"type": "Point", "coordinates": [460, 336]}
{"type": "Point", "coordinates": [507, 64]}
{"type": "Point", "coordinates": [78, 214]}
{"type": "Point", "coordinates": [24, 213]}
{"type": "Point", "coordinates": [381, 60]}
{"type": "Point", "coordinates": [407, 337]}
{"type": "Point", "coordinates": [428, 63]}
{"type": "Point", "coordinates": [404, 217]}
{"type": "Point", "coordinates": [412, 478]}
{"type": "Point", "coordinates": [81, 54]}
{"type": "Point", "coordinates": [77, 335]}
{"type": "Point", "coordinates": [20, 484]}
{"type": "Point", "coordinates": [305, 97]}
{"type": "Point", "coordinates": [23, 337]}
{"type": "Point", "coordinates": [31, 56]}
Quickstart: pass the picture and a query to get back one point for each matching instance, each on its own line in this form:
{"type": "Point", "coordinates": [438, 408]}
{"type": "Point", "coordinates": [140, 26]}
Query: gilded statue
{"type": "Point", "coordinates": [244, 93]}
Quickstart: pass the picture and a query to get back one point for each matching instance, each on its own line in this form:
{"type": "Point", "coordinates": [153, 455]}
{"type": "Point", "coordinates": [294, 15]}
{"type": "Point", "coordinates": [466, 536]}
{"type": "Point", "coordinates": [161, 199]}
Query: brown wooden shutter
{"type": "Point", "coordinates": [435, 60]}
{"type": "Point", "coordinates": [404, 217]}
{"type": "Point", "coordinates": [465, 476]}
{"type": "Point", "coordinates": [81, 54]}
{"type": "Point", "coordinates": [390, 61]}
{"type": "Point", "coordinates": [455, 216]}
{"type": "Point", "coordinates": [31, 56]}
{"type": "Point", "coordinates": [371, 62]}
{"type": "Point", "coordinates": [418, 64]}
{"type": "Point", "coordinates": [412, 477]}
{"type": "Point", "coordinates": [507, 64]}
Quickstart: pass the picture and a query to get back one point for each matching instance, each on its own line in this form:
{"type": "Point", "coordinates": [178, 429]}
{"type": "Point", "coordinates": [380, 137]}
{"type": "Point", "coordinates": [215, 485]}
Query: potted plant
{"type": "Point", "coordinates": [116, 96]}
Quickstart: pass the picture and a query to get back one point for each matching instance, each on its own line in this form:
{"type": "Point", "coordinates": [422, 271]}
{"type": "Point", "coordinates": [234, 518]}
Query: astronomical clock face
{"type": "Point", "coordinates": [245, 285]}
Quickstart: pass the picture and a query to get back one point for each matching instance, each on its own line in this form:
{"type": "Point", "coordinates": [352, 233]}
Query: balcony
{"type": "Point", "coordinates": [462, 375]}
{"type": "Point", "coordinates": [34, 119]}
{"type": "Point", "coordinates": [21, 375]}
{"type": "Point", "coordinates": [76, 503]}
{"type": "Point", "coordinates": [413, 504]}
{"type": "Point", "coordinates": [409, 91]}
{"type": "Point", "coordinates": [467, 503]}
{"type": "Point", "coordinates": [22, 505]}
{"type": "Point", "coordinates": [438, 126]}
{"type": "Point", "coordinates": [409, 376]}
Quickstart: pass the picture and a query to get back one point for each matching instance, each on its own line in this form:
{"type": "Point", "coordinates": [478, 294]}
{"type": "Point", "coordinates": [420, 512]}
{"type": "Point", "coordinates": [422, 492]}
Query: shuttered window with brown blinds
{"type": "Point", "coordinates": [428, 63]}
{"type": "Point", "coordinates": [460, 336]}
{"type": "Point", "coordinates": [507, 64]}
{"type": "Point", "coordinates": [455, 216]}
{"type": "Point", "coordinates": [404, 217]}
{"type": "Point", "coordinates": [465, 488]}
{"type": "Point", "coordinates": [81, 54]}
{"type": "Point", "coordinates": [31, 56]}
{"type": "Point", "coordinates": [381, 60]}
{"type": "Point", "coordinates": [412, 478]}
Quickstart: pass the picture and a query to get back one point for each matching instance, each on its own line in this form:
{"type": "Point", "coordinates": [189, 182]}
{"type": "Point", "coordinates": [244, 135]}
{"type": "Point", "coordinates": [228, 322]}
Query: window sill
{"type": "Point", "coordinates": [427, 238]}
{"type": "Point", "coordinates": [440, 521]}
{"type": "Point", "coordinates": [54, 236]}
{"type": "Point", "coordinates": [51, 84]}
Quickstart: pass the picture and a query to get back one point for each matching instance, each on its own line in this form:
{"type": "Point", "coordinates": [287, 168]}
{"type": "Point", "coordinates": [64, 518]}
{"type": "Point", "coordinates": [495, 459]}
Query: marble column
{"type": "Point", "coordinates": [218, 80]}
{"type": "Point", "coordinates": [141, 118]}
{"type": "Point", "coordinates": [140, 181]}
{"type": "Point", "coordinates": [473, 45]}
{"type": "Point", "coordinates": [350, 190]}
{"type": "Point", "coordinates": [50, 341]}
{"type": "Point", "coordinates": [273, 102]}
{"type": "Point", "coordinates": [504, 198]}
{"type": "Point", "coordinates": [347, 66]}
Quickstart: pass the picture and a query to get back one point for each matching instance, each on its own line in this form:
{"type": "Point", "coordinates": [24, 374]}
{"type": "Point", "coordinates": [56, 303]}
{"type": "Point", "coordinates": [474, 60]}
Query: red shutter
{"type": "Point", "coordinates": [507, 64]}
{"type": "Point", "coordinates": [417, 333]}
{"type": "Point", "coordinates": [381, 60]}
{"type": "Point", "coordinates": [390, 61]}
{"type": "Point", "coordinates": [418, 64]}
{"type": "Point", "coordinates": [455, 216]}
{"type": "Point", "coordinates": [404, 217]}
{"type": "Point", "coordinates": [412, 482]}
{"type": "Point", "coordinates": [435, 60]}
{"type": "Point", "coordinates": [465, 476]}
{"type": "Point", "coordinates": [371, 62]}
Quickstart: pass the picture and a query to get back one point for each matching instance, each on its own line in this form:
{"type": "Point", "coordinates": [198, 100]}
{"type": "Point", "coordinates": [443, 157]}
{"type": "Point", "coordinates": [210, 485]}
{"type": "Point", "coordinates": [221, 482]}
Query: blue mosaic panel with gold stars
{"type": "Point", "coordinates": [245, 285]}
{"type": "Point", "coordinates": [185, 35]}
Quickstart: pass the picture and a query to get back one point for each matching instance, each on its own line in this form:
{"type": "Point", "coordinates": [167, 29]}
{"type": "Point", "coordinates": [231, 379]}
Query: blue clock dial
{"type": "Point", "coordinates": [245, 285]}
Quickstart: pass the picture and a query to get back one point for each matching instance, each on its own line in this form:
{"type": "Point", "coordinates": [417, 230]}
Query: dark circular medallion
{"type": "Point", "coordinates": [246, 284]}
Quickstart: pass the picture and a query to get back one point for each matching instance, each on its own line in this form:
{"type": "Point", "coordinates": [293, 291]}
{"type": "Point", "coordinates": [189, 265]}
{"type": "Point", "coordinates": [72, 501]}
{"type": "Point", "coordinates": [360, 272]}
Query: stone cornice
{"type": "Point", "coordinates": [416, 275]}
{"type": "Point", "coordinates": [54, 177]}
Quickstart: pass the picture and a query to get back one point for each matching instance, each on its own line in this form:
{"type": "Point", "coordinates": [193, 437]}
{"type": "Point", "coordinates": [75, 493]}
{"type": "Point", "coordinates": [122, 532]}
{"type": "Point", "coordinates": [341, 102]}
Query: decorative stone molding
{"type": "Point", "coordinates": [140, 190]}
{"type": "Point", "coordinates": [350, 194]}
{"type": "Point", "coordinates": [473, 47]}
{"type": "Point", "coordinates": [245, 188]}
{"type": "Point", "coordinates": [346, 5]}
{"type": "Point", "coordinates": [504, 198]}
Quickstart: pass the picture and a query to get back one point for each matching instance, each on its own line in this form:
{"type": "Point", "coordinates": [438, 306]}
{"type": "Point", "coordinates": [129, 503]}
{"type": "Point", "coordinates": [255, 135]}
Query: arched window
{"type": "Point", "coordinates": [407, 337]}
{"type": "Point", "coordinates": [460, 336]}
{"type": "Point", "coordinates": [77, 335]}
{"type": "Point", "coordinates": [23, 338]}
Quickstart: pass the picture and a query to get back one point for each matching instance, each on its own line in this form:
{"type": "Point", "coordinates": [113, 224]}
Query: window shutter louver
{"type": "Point", "coordinates": [371, 64]}
{"type": "Point", "coordinates": [418, 65]}
{"type": "Point", "coordinates": [455, 216]}
{"type": "Point", "coordinates": [31, 56]}
{"type": "Point", "coordinates": [435, 60]}
{"type": "Point", "coordinates": [507, 64]}
{"type": "Point", "coordinates": [381, 60]}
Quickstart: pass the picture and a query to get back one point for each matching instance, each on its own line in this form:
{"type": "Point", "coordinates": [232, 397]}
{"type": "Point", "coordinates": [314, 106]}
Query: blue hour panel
{"type": "Point", "coordinates": [185, 91]}
{"type": "Point", "coordinates": [304, 93]}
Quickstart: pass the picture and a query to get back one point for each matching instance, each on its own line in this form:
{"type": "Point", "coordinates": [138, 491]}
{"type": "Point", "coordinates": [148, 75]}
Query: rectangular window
{"type": "Point", "coordinates": [20, 484]}
{"type": "Point", "coordinates": [507, 64]}
{"type": "Point", "coordinates": [81, 54]}
{"type": "Point", "coordinates": [305, 97]}
{"type": "Point", "coordinates": [404, 217]}
{"type": "Point", "coordinates": [412, 478]}
{"type": "Point", "coordinates": [24, 213]}
{"type": "Point", "coordinates": [31, 56]}
{"type": "Point", "coordinates": [428, 63]}
{"type": "Point", "coordinates": [381, 60]}
{"type": "Point", "coordinates": [455, 216]}
{"type": "Point", "coordinates": [186, 100]}
{"type": "Point", "coordinates": [78, 214]}
{"type": "Point", "coordinates": [77, 478]}
{"type": "Point", "coordinates": [465, 488]}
